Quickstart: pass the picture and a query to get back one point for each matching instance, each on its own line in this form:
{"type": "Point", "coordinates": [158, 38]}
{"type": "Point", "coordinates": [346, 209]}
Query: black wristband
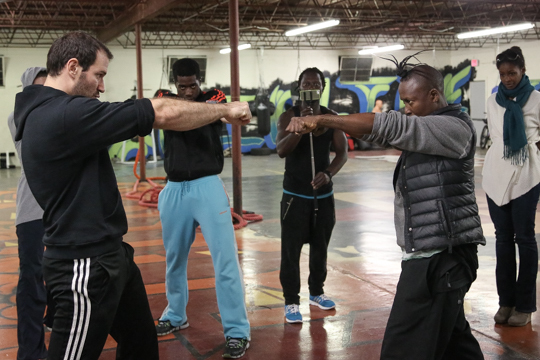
{"type": "Point", "coordinates": [327, 172]}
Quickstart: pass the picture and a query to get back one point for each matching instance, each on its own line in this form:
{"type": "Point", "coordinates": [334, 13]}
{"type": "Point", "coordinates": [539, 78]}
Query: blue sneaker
{"type": "Point", "coordinates": [292, 314]}
{"type": "Point", "coordinates": [322, 301]}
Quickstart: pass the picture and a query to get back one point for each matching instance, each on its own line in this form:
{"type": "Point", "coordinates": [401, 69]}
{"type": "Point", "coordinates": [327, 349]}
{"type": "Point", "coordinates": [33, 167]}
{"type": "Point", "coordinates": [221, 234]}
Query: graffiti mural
{"type": "Point", "coordinates": [343, 97]}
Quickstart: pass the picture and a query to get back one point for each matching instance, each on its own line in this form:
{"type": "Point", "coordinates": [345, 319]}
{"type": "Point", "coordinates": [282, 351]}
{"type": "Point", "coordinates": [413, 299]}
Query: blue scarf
{"type": "Point", "coordinates": [514, 137]}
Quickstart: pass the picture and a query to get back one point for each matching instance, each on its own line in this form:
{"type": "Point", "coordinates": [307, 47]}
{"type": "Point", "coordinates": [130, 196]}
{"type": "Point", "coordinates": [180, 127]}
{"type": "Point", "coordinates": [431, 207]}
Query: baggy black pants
{"type": "Point", "coordinates": [427, 320]}
{"type": "Point", "coordinates": [97, 296]}
{"type": "Point", "coordinates": [296, 230]}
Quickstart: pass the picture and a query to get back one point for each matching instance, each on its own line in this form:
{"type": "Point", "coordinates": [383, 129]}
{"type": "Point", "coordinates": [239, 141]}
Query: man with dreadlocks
{"type": "Point", "coordinates": [307, 217]}
{"type": "Point", "coordinates": [435, 214]}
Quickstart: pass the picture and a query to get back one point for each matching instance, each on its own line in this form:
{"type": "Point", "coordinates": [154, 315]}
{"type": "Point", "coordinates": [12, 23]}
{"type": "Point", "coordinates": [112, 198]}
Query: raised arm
{"type": "Point", "coordinates": [285, 141]}
{"type": "Point", "coordinates": [181, 115]}
{"type": "Point", "coordinates": [356, 125]}
{"type": "Point", "coordinates": [340, 147]}
{"type": "Point", "coordinates": [339, 142]}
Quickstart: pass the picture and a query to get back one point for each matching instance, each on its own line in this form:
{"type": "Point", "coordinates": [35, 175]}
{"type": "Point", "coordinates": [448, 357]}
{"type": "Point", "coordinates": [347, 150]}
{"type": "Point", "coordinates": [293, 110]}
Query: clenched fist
{"type": "Point", "coordinates": [302, 125]}
{"type": "Point", "coordinates": [238, 113]}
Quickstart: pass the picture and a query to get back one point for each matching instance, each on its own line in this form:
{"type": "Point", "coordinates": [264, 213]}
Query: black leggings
{"type": "Point", "coordinates": [31, 292]}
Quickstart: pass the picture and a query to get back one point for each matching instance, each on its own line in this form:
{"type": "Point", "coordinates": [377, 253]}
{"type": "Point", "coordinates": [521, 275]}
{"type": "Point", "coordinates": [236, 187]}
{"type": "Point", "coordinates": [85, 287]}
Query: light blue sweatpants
{"type": "Point", "coordinates": [182, 207]}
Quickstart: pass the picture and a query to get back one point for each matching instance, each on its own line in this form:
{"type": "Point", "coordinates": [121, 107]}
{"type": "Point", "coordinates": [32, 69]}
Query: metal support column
{"type": "Point", "coordinates": [142, 145]}
{"type": "Point", "coordinates": [235, 96]}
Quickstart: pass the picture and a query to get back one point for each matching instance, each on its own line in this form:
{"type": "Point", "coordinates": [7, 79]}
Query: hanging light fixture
{"type": "Point", "coordinates": [314, 27]}
{"type": "Point", "coordinates": [497, 30]}
{"type": "Point", "coordinates": [376, 49]}
{"type": "Point", "coordinates": [240, 47]}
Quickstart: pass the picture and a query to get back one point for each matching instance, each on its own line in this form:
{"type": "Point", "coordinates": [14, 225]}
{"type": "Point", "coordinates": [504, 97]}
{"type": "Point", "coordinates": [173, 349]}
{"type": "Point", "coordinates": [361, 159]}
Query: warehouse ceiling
{"type": "Point", "coordinates": [205, 23]}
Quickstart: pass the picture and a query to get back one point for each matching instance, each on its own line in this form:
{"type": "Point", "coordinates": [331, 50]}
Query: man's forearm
{"type": "Point", "coordinates": [287, 144]}
{"type": "Point", "coordinates": [336, 164]}
{"type": "Point", "coordinates": [339, 142]}
{"type": "Point", "coordinates": [181, 115]}
{"type": "Point", "coordinates": [356, 125]}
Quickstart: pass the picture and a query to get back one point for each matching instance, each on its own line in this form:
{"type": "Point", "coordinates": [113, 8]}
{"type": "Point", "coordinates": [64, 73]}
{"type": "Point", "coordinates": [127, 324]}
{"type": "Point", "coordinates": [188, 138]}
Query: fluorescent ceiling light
{"type": "Point", "coordinates": [497, 30]}
{"type": "Point", "coordinates": [313, 27]}
{"type": "Point", "coordinates": [377, 49]}
{"type": "Point", "coordinates": [240, 47]}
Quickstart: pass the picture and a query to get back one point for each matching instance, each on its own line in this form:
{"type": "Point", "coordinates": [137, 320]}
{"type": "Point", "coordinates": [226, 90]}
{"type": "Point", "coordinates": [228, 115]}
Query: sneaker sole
{"type": "Point", "coordinates": [519, 324]}
{"type": "Point", "coordinates": [176, 328]}
{"type": "Point", "coordinates": [237, 356]}
{"type": "Point", "coordinates": [311, 302]}
{"type": "Point", "coordinates": [169, 331]}
{"type": "Point", "coordinates": [294, 321]}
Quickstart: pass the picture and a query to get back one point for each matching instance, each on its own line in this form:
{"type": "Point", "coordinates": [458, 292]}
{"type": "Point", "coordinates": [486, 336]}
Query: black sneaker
{"type": "Point", "coordinates": [165, 327]}
{"type": "Point", "coordinates": [235, 347]}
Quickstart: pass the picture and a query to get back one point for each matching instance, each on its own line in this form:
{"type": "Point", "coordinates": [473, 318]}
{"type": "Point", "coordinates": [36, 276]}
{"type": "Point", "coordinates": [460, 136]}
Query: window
{"type": "Point", "coordinates": [355, 68]}
{"type": "Point", "coordinates": [201, 60]}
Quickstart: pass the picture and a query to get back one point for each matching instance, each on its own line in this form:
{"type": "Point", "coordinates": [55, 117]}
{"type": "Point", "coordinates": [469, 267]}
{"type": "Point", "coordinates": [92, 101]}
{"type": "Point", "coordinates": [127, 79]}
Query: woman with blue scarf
{"type": "Point", "coordinates": [511, 178]}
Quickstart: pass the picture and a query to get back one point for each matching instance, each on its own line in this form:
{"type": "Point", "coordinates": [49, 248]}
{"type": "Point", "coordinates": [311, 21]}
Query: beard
{"type": "Point", "coordinates": [85, 88]}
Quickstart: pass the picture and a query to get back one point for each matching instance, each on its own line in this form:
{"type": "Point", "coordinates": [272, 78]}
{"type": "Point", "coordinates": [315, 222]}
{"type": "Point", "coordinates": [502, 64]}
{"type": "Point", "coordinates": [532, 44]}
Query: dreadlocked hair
{"type": "Point", "coordinates": [429, 75]}
{"type": "Point", "coordinates": [403, 67]}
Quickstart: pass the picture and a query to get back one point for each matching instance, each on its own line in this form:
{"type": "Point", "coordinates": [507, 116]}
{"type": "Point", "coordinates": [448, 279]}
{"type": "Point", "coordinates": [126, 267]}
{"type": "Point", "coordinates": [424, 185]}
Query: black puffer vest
{"type": "Point", "coordinates": [438, 197]}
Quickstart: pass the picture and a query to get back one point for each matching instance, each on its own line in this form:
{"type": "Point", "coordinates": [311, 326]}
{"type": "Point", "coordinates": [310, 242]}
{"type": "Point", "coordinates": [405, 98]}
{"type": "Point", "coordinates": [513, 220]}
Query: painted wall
{"type": "Point", "coordinates": [274, 70]}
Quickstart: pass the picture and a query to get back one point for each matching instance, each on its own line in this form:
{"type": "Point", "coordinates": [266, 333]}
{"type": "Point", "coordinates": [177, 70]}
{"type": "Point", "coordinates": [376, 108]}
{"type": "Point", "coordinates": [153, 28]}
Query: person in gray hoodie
{"type": "Point", "coordinates": [31, 294]}
{"type": "Point", "coordinates": [435, 214]}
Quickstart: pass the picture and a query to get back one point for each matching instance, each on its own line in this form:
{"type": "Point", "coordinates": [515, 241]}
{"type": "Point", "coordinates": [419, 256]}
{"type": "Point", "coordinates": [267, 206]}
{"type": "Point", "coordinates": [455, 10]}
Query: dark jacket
{"type": "Point", "coordinates": [68, 167]}
{"type": "Point", "coordinates": [438, 196]}
{"type": "Point", "coordinates": [193, 154]}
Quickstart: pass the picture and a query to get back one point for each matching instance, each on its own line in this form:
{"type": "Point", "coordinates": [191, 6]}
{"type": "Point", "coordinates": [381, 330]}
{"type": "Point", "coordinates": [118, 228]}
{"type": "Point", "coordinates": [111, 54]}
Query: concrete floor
{"type": "Point", "coordinates": [363, 269]}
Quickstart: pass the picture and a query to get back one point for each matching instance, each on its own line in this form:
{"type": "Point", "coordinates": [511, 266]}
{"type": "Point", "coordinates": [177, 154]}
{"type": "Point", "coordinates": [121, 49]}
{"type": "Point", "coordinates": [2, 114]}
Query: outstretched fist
{"type": "Point", "coordinates": [302, 125]}
{"type": "Point", "coordinates": [239, 113]}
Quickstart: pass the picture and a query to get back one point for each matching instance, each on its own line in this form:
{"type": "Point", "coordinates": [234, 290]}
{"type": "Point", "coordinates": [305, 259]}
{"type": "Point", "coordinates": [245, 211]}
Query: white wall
{"type": "Point", "coordinates": [487, 70]}
{"type": "Point", "coordinates": [283, 64]}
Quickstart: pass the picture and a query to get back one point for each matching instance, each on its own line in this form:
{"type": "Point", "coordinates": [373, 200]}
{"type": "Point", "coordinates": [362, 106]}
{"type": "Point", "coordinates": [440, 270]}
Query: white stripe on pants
{"type": "Point", "coordinates": [81, 310]}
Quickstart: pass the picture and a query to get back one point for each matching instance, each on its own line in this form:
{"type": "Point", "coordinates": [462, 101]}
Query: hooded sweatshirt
{"type": "Point", "coordinates": [27, 206]}
{"type": "Point", "coordinates": [68, 168]}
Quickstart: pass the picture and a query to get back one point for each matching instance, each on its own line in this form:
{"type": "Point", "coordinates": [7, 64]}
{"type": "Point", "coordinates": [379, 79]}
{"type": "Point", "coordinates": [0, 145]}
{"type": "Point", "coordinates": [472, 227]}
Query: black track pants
{"type": "Point", "coordinates": [296, 230]}
{"type": "Point", "coordinates": [99, 296]}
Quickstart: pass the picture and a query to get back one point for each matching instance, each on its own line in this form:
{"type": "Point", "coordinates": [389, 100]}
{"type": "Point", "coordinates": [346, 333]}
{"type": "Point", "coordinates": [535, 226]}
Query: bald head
{"type": "Point", "coordinates": [422, 91]}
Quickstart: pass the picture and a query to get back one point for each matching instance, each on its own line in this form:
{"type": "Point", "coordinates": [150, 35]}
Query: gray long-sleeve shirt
{"type": "Point", "coordinates": [440, 135]}
{"type": "Point", "coordinates": [27, 207]}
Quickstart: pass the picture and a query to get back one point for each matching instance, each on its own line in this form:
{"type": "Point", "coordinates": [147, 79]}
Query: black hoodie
{"type": "Point", "coordinates": [68, 167]}
{"type": "Point", "coordinates": [196, 153]}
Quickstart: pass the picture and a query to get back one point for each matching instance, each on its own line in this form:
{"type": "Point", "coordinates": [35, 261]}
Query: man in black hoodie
{"type": "Point", "coordinates": [97, 287]}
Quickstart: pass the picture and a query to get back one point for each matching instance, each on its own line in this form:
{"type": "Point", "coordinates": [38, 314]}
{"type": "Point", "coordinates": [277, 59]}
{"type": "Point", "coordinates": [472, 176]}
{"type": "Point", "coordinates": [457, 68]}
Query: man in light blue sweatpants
{"type": "Point", "coordinates": [193, 196]}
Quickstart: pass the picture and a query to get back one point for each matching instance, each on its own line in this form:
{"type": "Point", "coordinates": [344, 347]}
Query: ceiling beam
{"type": "Point", "coordinates": [141, 12]}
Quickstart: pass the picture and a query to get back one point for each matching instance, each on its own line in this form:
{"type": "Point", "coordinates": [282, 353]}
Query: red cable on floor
{"type": "Point", "coordinates": [241, 221]}
{"type": "Point", "coordinates": [155, 187]}
{"type": "Point", "coordinates": [152, 199]}
{"type": "Point", "coordinates": [149, 198]}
